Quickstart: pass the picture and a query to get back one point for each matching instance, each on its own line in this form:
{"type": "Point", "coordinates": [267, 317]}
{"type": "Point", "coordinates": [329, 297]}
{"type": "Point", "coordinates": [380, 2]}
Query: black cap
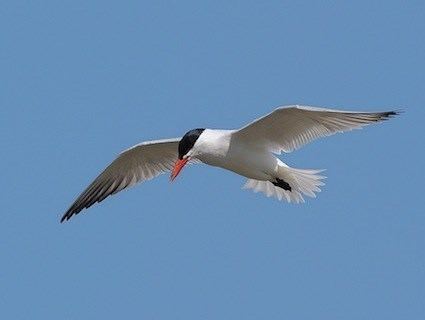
{"type": "Point", "coordinates": [188, 140]}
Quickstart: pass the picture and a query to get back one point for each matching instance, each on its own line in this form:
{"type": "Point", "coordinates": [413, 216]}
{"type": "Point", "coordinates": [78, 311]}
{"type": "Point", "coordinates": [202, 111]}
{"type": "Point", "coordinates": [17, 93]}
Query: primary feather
{"type": "Point", "coordinates": [289, 128]}
{"type": "Point", "coordinates": [139, 163]}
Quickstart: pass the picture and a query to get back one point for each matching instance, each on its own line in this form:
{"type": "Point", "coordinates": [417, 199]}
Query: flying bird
{"type": "Point", "coordinates": [249, 151]}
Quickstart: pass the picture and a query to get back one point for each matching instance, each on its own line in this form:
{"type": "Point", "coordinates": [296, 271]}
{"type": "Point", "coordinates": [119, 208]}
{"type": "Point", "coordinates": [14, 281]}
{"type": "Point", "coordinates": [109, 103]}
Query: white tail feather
{"type": "Point", "coordinates": [301, 181]}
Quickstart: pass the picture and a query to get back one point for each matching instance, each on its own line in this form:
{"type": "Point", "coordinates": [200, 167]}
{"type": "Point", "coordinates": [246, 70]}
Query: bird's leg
{"type": "Point", "coordinates": [282, 184]}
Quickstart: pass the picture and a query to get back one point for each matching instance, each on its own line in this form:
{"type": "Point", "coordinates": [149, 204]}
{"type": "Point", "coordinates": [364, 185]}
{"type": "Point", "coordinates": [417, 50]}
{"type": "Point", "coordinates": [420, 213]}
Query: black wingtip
{"type": "Point", "coordinates": [68, 214]}
{"type": "Point", "coordinates": [382, 116]}
{"type": "Point", "coordinates": [65, 217]}
{"type": "Point", "coordinates": [394, 113]}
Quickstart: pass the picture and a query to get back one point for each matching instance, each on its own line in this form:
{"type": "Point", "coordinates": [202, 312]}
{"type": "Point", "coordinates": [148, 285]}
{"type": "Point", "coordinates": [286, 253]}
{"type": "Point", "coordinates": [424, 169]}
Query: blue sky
{"type": "Point", "coordinates": [82, 80]}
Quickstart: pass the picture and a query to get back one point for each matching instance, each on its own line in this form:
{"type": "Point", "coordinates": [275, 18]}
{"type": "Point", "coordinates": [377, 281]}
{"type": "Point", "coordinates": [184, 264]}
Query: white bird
{"type": "Point", "coordinates": [249, 151]}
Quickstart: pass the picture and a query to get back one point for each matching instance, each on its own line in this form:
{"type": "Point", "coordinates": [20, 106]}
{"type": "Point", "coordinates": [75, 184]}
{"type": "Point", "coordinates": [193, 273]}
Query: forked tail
{"type": "Point", "coordinates": [291, 184]}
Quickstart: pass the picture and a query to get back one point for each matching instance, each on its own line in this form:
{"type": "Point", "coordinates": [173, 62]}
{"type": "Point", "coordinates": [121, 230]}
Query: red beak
{"type": "Point", "coordinates": [178, 166]}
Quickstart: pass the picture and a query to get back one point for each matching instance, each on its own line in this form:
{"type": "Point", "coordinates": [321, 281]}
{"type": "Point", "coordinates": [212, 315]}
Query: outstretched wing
{"type": "Point", "coordinates": [289, 128]}
{"type": "Point", "coordinates": [139, 163]}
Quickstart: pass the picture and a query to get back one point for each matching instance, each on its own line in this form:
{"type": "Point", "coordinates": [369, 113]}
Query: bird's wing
{"type": "Point", "coordinates": [289, 128]}
{"type": "Point", "coordinates": [142, 162]}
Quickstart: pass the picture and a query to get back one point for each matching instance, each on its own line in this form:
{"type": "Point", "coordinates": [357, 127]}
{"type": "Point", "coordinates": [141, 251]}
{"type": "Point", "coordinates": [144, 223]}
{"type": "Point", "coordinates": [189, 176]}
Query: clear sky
{"type": "Point", "coordinates": [83, 80]}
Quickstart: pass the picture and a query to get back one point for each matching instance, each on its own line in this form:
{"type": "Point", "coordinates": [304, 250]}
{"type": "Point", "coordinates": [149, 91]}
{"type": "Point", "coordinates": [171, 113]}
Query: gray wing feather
{"type": "Point", "coordinates": [139, 163]}
{"type": "Point", "coordinates": [289, 128]}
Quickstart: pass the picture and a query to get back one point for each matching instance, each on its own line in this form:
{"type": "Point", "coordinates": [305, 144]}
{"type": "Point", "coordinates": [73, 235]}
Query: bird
{"type": "Point", "coordinates": [251, 151]}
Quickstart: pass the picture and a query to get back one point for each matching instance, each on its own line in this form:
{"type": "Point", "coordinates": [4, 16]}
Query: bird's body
{"type": "Point", "coordinates": [249, 151]}
{"type": "Point", "coordinates": [219, 148]}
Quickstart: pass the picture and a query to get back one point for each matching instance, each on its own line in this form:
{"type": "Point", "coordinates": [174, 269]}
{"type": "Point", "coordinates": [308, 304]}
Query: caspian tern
{"type": "Point", "coordinates": [249, 152]}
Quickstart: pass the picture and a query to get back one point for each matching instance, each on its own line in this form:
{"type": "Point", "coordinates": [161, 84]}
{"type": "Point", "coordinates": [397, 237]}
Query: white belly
{"type": "Point", "coordinates": [252, 164]}
{"type": "Point", "coordinates": [219, 151]}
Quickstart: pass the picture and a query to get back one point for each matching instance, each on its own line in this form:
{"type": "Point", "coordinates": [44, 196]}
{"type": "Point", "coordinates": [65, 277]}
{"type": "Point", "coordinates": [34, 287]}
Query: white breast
{"type": "Point", "coordinates": [219, 148]}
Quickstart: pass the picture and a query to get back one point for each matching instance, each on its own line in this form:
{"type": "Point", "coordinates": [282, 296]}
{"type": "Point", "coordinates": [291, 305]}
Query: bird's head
{"type": "Point", "coordinates": [186, 151]}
